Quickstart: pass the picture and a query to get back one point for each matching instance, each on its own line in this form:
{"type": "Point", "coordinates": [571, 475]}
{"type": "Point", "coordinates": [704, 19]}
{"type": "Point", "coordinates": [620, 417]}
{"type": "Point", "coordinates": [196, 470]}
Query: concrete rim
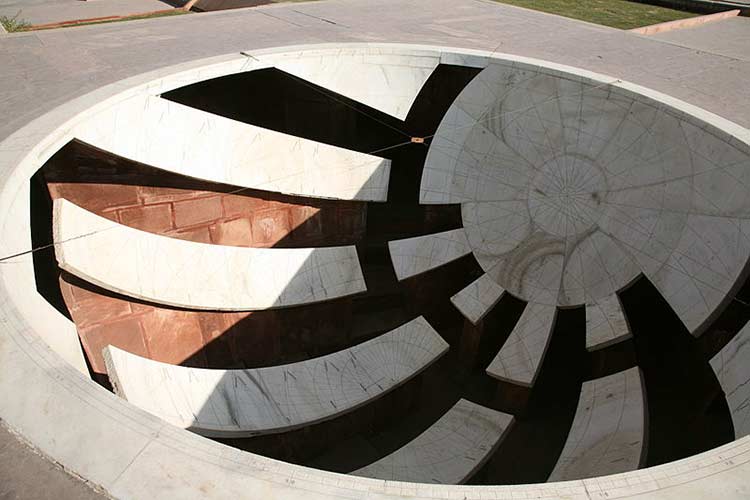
{"type": "Point", "coordinates": [189, 463]}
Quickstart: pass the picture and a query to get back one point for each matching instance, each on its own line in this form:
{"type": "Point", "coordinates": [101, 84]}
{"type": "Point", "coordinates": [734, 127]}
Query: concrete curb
{"type": "Point", "coordinates": [685, 23]}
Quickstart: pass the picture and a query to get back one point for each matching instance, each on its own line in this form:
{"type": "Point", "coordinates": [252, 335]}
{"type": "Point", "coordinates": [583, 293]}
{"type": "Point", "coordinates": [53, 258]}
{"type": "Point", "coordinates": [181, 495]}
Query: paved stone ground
{"type": "Point", "coordinates": [730, 37]}
{"type": "Point", "coordinates": [52, 11]}
{"type": "Point", "coordinates": [25, 475]}
{"type": "Point", "coordinates": [708, 66]}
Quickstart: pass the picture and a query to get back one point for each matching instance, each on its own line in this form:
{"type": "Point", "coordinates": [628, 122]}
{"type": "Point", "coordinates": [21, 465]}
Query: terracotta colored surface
{"type": "Point", "coordinates": [685, 23]}
{"type": "Point", "coordinates": [151, 200]}
{"type": "Point", "coordinates": [202, 338]}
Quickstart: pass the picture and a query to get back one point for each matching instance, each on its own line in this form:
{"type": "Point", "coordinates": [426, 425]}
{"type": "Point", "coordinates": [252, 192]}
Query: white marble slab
{"type": "Point", "coordinates": [387, 79]}
{"type": "Point", "coordinates": [191, 142]}
{"type": "Point", "coordinates": [607, 434]}
{"type": "Point", "coordinates": [199, 275]}
{"type": "Point", "coordinates": [732, 368]}
{"type": "Point", "coordinates": [478, 298]}
{"type": "Point", "coordinates": [605, 323]}
{"type": "Point", "coordinates": [413, 256]}
{"type": "Point", "coordinates": [449, 452]}
{"type": "Point", "coordinates": [521, 356]}
{"type": "Point", "coordinates": [571, 188]}
{"type": "Point", "coordinates": [223, 403]}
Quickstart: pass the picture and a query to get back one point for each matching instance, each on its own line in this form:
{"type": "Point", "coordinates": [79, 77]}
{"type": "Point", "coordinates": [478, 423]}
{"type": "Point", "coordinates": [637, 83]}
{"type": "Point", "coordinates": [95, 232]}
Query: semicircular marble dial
{"type": "Point", "coordinates": [571, 188]}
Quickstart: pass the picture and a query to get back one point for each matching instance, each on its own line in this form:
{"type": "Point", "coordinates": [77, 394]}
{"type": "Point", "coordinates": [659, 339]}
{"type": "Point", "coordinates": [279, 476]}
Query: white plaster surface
{"type": "Point", "coordinates": [732, 368]}
{"type": "Point", "coordinates": [413, 256]}
{"type": "Point", "coordinates": [605, 323]}
{"type": "Point", "coordinates": [132, 454]}
{"type": "Point", "coordinates": [386, 79]}
{"type": "Point", "coordinates": [191, 142]}
{"type": "Point", "coordinates": [607, 434]}
{"type": "Point", "coordinates": [449, 452]}
{"type": "Point", "coordinates": [519, 359]}
{"type": "Point", "coordinates": [571, 187]}
{"type": "Point", "coordinates": [278, 398]}
{"type": "Point", "coordinates": [199, 275]}
{"type": "Point", "coordinates": [478, 298]}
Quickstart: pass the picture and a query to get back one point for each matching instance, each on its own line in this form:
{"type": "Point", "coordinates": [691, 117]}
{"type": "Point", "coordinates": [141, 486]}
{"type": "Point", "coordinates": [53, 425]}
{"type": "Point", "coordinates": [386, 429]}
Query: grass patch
{"type": "Point", "coordinates": [13, 24]}
{"type": "Point", "coordinates": [614, 13]}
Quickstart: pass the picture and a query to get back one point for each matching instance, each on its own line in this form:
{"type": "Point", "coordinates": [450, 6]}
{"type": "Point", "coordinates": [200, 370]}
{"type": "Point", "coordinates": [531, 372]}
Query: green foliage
{"type": "Point", "coordinates": [621, 14]}
{"type": "Point", "coordinates": [12, 24]}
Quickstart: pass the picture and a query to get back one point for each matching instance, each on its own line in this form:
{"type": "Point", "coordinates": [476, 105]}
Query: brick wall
{"type": "Point", "coordinates": [151, 200]}
{"type": "Point", "coordinates": [176, 206]}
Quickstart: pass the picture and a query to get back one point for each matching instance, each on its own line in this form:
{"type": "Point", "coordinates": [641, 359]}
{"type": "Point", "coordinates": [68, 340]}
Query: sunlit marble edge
{"type": "Point", "coordinates": [593, 391]}
{"type": "Point", "coordinates": [469, 301]}
{"type": "Point", "coordinates": [609, 343]}
{"type": "Point", "coordinates": [593, 344]}
{"type": "Point", "coordinates": [198, 144]}
{"type": "Point", "coordinates": [194, 275]}
{"type": "Point", "coordinates": [493, 420]}
{"type": "Point", "coordinates": [732, 368]}
{"type": "Point", "coordinates": [496, 368]}
{"type": "Point", "coordinates": [81, 420]}
{"type": "Point", "coordinates": [124, 386]}
{"type": "Point", "coordinates": [350, 72]}
{"type": "Point", "coordinates": [407, 253]}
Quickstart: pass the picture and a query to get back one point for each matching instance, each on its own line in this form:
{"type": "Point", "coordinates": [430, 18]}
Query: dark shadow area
{"type": "Point", "coordinates": [297, 107]}
{"type": "Point", "coordinates": [273, 337]}
{"type": "Point", "coordinates": [273, 99]}
{"type": "Point", "coordinates": [425, 115]}
{"type": "Point", "coordinates": [214, 5]}
{"type": "Point", "coordinates": [687, 411]}
{"type": "Point", "coordinates": [341, 444]}
{"type": "Point", "coordinates": [532, 447]}
{"type": "Point", "coordinates": [441, 386]}
{"type": "Point", "coordinates": [175, 3]}
{"type": "Point", "coordinates": [611, 359]}
{"type": "Point", "coordinates": [489, 335]}
{"type": "Point", "coordinates": [728, 322]}
{"type": "Point", "coordinates": [46, 270]}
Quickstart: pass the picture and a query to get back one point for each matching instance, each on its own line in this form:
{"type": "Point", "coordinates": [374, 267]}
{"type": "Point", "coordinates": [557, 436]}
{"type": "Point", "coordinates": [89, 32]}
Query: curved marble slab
{"type": "Point", "coordinates": [236, 403]}
{"type": "Point", "coordinates": [520, 357]}
{"type": "Point", "coordinates": [198, 275]}
{"type": "Point", "coordinates": [571, 188]}
{"type": "Point", "coordinates": [386, 79]}
{"type": "Point", "coordinates": [478, 298]}
{"type": "Point", "coordinates": [605, 323]}
{"type": "Point", "coordinates": [607, 434]}
{"type": "Point", "coordinates": [449, 452]}
{"type": "Point", "coordinates": [413, 256]}
{"type": "Point", "coordinates": [191, 142]}
{"type": "Point", "coordinates": [732, 367]}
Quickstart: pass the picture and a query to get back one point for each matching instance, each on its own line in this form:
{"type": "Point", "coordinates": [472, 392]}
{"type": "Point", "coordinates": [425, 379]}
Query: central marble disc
{"type": "Point", "coordinates": [566, 195]}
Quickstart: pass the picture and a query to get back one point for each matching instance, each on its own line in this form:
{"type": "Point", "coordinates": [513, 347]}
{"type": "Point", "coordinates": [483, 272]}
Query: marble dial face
{"type": "Point", "coordinates": [572, 188]}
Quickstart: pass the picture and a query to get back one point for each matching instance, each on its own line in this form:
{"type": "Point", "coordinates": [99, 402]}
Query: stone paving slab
{"type": "Point", "coordinates": [25, 474]}
{"type": "Point", "coordinates": [43, 69]}
{"type": "Point", "coordinates": [729, 38]}
{"type": "Point", "coordinates": [54, 11]}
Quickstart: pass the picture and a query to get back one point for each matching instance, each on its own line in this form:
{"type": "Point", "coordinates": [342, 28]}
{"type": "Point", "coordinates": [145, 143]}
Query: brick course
{"type": "Point", "coordinates": [150, 200]}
